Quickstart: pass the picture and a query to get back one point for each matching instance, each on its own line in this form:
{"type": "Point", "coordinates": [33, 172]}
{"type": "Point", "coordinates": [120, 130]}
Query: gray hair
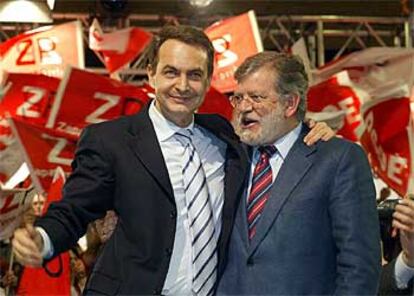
{"type": "Point", "coordinates": [291, 76]}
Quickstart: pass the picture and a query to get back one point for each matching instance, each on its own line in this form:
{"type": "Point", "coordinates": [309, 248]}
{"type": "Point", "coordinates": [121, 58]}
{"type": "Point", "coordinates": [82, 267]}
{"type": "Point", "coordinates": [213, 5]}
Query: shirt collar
{"type": "Point", "coordinates": [164, 128]}
{"type": "Point", "coordinates": [285, 143]}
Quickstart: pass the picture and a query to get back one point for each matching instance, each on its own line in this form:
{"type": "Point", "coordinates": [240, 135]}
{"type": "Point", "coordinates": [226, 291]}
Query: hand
{"type": "Point", "coordinates": [319, 131]}
{"type": "Point", "coordinates": [27, 245]}
{"type": "Point", "coordinates": [404, 222]}
{"type": "Point", "coordinates": [9, 279]}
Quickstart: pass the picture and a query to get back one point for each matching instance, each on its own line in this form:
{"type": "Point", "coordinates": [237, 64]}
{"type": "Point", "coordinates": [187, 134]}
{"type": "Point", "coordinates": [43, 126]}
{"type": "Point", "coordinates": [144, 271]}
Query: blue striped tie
{"type": "Point", "coordinates": [200, 216]}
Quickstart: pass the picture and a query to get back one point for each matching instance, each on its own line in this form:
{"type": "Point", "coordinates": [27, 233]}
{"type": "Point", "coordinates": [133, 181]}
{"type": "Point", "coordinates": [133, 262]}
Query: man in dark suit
{"type": "Point", "coordinates": [307, 223]}
{"type": "Point", "coordinates": [397, 277]}
{"type": "Point", "coordinates": [133, 165]}
{"type": "Point", "coordinates": [171, 228]}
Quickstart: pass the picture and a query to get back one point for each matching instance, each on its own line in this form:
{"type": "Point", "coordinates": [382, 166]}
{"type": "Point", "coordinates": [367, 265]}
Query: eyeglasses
{"type": "Point", "coordinates": [235, 100]}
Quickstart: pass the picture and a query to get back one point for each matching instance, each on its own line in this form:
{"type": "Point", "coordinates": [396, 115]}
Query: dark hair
{"type": "Point", "coordinates": [291, 76]}
{"type": "Point", "coordinates": [186, 34]}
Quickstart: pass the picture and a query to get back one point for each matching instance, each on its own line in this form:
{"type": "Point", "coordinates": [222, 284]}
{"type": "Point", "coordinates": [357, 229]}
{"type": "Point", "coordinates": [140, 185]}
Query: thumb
{"type": "Point", "coordinates": [35, 236]}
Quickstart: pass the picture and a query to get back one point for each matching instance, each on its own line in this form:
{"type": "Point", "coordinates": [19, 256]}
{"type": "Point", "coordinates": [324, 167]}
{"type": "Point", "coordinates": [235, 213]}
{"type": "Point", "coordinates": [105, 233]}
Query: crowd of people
{"type": "Point", "coordinates": [263, 206]}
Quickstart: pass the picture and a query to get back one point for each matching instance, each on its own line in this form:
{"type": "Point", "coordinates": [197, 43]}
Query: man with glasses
{"type": "Point", "coordinates": [307, 222]}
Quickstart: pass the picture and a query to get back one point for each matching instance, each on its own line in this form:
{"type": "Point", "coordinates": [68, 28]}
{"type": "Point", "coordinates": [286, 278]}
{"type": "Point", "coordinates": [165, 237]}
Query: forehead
{"type": "Point", "coordinates": [182, 56]}
{"type": "Point", "coordinates": [261, 81]}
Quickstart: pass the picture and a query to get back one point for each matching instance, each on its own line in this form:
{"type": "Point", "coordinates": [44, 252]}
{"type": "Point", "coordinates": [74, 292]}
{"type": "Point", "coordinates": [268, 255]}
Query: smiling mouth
{"type": "Point", "coordinates": [180, 99]}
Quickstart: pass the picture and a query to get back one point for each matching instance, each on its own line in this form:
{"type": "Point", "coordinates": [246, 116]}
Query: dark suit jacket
{"type": "Point", "coordinates": [318, 233]}
{"type": "Point", "coordinates": [388, 285]}
{"type": "Point", "coordinates": [119, 165]}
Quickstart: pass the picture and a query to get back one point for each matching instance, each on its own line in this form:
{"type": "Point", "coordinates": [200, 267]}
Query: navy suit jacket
{"type": "Point", "coordinates": [318, 233]}
{"type": "Point", "coordinates": [119, 165]}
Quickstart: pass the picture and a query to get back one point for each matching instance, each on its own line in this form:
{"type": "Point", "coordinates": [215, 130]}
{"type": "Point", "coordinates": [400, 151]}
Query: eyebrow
{"type": "Point", "coordinates": [190, 70]}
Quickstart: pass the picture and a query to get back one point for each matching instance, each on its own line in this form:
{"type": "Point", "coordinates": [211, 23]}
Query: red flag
{"type": "Point", "coordinates": [28, 96]}
{"type": "Point", "coordinates": [25, 96]}
{"type": "Point", "coordinates": [234, 39]}
{"type": "Point", "coordinates": [86, 98]}
{"type": "Point", "coordinates": [44, 150]}
{"type": "Point", "coordinates": [46, 50]}
{"type": "Point", "coordinates": [119, 47]}
{"type": "Point", "coordinates": [336, 94]}
{"type": "Point", "coordinates": [388, 138]}
{"type": "Point", "coordinates": [35, 281]}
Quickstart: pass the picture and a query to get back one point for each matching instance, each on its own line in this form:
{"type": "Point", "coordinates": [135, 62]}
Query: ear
{"type": "Point", "coordinates": [151, 76]}
{"type": "Point", "coordinates": [291, 105]}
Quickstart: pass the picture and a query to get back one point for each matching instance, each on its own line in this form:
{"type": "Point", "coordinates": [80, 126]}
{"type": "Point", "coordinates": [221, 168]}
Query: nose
{"type": "Point", "coordinates": [182, 83]}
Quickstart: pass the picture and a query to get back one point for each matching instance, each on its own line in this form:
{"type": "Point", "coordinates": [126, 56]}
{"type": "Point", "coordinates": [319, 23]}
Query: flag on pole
{"type": "Point", "coordinates": [119, 47]}
{"type": "Point", "coordinates": [234, 39]}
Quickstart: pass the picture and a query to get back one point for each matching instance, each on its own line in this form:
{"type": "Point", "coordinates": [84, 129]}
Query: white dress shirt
{"type": "Point", "coordinates": [283, 146]}
{"type": "Point", "coordinates": [403, 273]}
{"type": "Point", "coordinates": [212, 154]}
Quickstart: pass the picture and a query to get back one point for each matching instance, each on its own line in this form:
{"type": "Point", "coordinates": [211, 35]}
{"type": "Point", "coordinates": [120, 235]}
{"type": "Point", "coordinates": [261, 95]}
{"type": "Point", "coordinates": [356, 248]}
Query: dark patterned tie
{"type": "Point", "coordinates": [200, 216]}
{"type": "Point", "coordinates": [260, 190]}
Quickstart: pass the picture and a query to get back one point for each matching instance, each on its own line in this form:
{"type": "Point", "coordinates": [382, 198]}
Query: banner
{"type": "Point", "coordinates": [372, 66]}
{"type": "Point", "coordinates": [44, 150]}
{"type": "Point", "coordinates": [119, 47]}
{"type": "Point", "coordinates": [339, 94]}
{"type": "Point", "coordinates": [84, 98]}
{"type": "Point", "coordinates": [45, 50]}
{"type": "Point", "coordinates": [234, 39]}
{"type": "Point", "coordinates": [388, 137]}
{"type": "Point", "coordinates": [28, 96]}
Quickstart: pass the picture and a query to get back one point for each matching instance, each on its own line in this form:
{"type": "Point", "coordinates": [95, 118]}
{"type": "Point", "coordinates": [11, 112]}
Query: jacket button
{"type": "Point", "coordinates": [168, 252]}
{"type": "Point", "coordinates": [250, 262]}
{"type": "Point", "coordinates": [156, 292]}
{"type": "Point", "coordinates": [173, 214]}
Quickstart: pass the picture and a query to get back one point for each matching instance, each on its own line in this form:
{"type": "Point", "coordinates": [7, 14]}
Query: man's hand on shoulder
{"type": "Point", "coordinates": [27, 246]}
{"type": "Point", "coordinates": [319, 131]}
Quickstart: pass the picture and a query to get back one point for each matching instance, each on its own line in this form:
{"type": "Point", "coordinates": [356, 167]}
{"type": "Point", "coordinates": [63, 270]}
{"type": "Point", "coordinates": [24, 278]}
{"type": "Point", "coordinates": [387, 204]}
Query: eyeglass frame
{"type": "Point", "coordinates": [253, 98]}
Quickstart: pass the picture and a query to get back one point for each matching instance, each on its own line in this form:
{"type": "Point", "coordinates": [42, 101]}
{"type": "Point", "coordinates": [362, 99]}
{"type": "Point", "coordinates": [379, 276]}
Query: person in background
{"type": "Point", "coordinates": [397, 276]}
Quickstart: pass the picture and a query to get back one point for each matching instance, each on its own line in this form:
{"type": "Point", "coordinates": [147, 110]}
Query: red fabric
{"type": "Point", "coordinates": [87, 98]}
{"type": "Point", "coordinates": [335, 94]}
{"type": "Point", "coordinates": [138, 40]}
{"type": "Point", "coordinates": [387, 142]}
{"type": "Point", "coordinates": [234, 39]}
{"type": "Point", "coordinates": [45, 150]}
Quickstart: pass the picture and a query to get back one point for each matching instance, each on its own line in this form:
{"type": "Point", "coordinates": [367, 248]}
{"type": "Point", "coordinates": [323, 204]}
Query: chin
{"type": "Point", "coordinates": [249, 138]}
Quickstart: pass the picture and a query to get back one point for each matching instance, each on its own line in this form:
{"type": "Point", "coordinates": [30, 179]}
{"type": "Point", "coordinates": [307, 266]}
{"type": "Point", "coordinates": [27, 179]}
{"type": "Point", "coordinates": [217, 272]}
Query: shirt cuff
{"type": "Point", "coordinates": [402, 272]}
{"type": "Point", "coordinates": [47, 251]}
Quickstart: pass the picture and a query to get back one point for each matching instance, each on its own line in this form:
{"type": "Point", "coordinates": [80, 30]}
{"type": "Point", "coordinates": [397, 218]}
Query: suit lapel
{"type": "Point", "coordinates": [295, 166]}
{"type": "Point", "coordinates": [235, 173]}
{"type": "Point", "coordinates": [241, 216]}
{"type": "Point", "coordinates": [142, 140]}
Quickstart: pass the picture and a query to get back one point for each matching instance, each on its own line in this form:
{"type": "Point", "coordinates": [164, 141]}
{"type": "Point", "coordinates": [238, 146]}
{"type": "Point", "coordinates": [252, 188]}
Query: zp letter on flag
{"type": "Point", "coordinates": [45, 50]}
{"type": "Point", "coordinates": [234, 39]}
